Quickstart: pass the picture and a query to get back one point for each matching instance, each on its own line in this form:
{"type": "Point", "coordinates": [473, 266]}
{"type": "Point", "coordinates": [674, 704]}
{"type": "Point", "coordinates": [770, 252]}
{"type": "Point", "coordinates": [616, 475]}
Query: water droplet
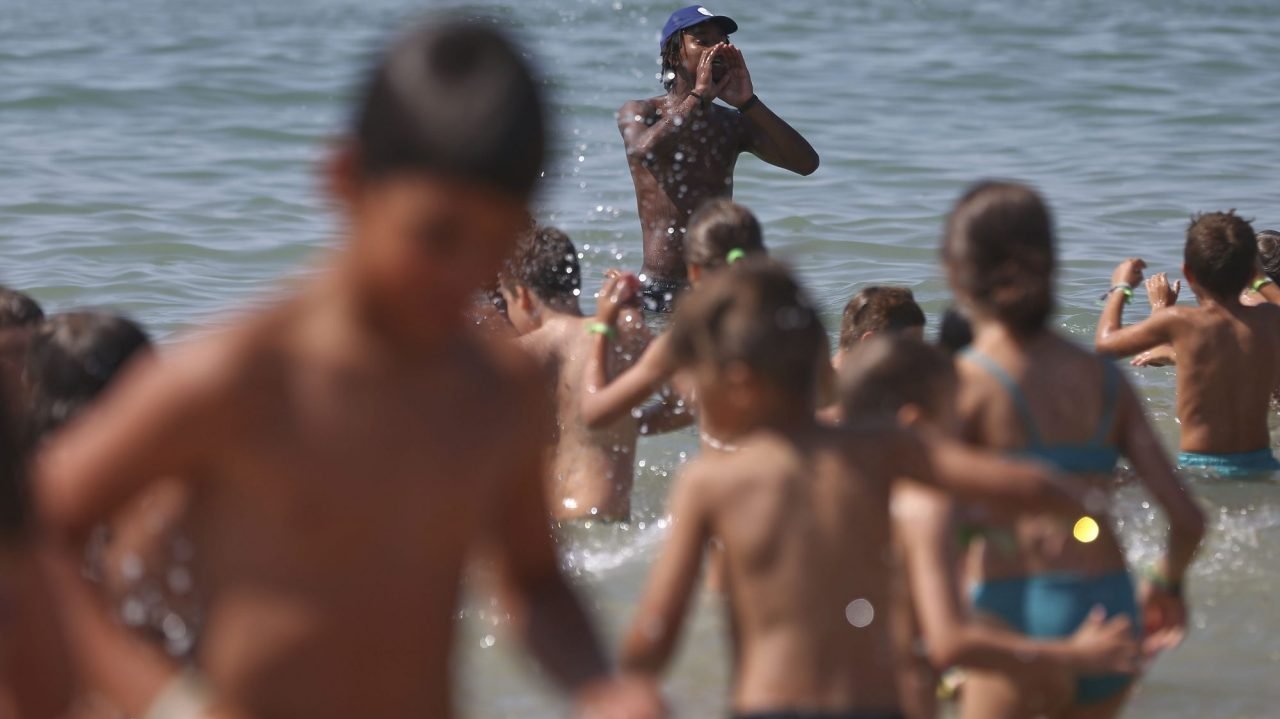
{"type": "Point", "coordinates": [679, 156]}
{"type": "Point", "coordinates": [582, 158]}
{"type": "Point", "coordinates": [131, 567]}
{"type": "Point", "coordinates": [488, 641]}
{"type": "Point", "coordinates": [641, 464]}
{"type": "Point", "coordinates": [860, 613]}
{"type": "Point", "coordinates": [570, 503]}
{"type": "Point", "coordinates": [179, 579]}
{"type": "Point", "coordinates": [577, 292]}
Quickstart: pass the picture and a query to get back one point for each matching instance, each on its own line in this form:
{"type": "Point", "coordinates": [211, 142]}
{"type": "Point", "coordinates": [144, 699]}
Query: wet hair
{"type": "Point", "coordinates": [546, 263]}
{"type": "Point", "coordinates": [15, 502]}
{"type": "Point", "coordinates": [1269, 253]}
{"type": "Point", "coordinates": [1221, 252]}
{"type": "Point", "coordinates": [999, 249]}
{"type": "Point", "coordinates": [18, 309]}
{"type": "Point", "coordinates": [453, 97]}
{"type": "Point", "coordinates": [956, 332]}
{"type": "Point", "coordinates": [670, 57]}
{"type": "Point", "coordinates": [718, 228]}
{"type": "Point", "coordinates": [888, 372]}
{"type": "Point", "coordinates": [756, 314]}
{"type": "Point", "coordinates": [878, 309]}
{"type": "Point", "coordinates": [71, 359]}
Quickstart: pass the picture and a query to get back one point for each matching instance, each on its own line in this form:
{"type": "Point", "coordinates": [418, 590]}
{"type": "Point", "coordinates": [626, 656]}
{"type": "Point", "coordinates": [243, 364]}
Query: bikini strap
{"type": "Point", "coordinates": [1015, 393]}
{"type": "Point", "coordinates": [1110, 398]}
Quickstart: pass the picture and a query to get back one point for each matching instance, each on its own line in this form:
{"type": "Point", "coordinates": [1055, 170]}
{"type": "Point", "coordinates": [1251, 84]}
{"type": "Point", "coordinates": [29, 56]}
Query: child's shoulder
{"type": "Point", "coordinates": [640, 110]}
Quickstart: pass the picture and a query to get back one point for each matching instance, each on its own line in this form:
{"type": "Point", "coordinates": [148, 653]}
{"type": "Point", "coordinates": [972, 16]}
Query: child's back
{"type": "Point", "coordinates": [804, 522]}
{"type": "Point", "coordinates": [592, 468]}
{"type": "Point", "coordinates": [1228, 354]}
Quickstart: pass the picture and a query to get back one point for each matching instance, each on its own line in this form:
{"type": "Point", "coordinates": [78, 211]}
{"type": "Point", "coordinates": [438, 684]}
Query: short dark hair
{"type": "Point", "coordinates": [71, 358]}
{"type": "Point", "coordinates": [546, 263]}
{"type": "Point", "coordinates": [754, 313]}
{"type": "Point", "coordinates": [888, 372]}
{"type": "Point", "coordinates": [1269, 253]}
{"type": "Point", "coordinates": [454, 97]}
{"type": "Point", "coordinates": [671, 59]}
{"type": "Point", "coordinates": [955, 332]}
{"type": "Point", "coordinates": [999, 249]}
{"type": "Point", "coordinates": [1221, 252]}
{"type": "Point", "coordinates": [18, 309]}
{"type": "Point", "coordinates": [718, 227]}
{"type": "Point", "coordinates": [878, 309]}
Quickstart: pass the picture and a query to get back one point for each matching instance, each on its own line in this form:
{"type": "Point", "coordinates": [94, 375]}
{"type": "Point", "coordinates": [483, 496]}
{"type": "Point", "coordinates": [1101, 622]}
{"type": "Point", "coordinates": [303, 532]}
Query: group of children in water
{"type": "Point", "coordinates": [337, 461]}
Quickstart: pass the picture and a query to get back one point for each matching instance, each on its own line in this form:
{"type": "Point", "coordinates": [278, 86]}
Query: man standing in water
{"type": "Point", "coordinates": [682, 147]}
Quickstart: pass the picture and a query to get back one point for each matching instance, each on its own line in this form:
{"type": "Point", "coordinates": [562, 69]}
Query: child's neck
{"type": "Point", "coordinates": [1207, 299]}
{"type": "Point", "coordinates": [559, 308]}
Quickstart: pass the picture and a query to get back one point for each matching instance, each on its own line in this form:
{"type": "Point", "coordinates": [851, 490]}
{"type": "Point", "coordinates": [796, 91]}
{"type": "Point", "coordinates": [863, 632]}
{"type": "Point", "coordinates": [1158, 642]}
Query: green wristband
{"type": "Point", "coordinates": [1124, 289]}
{"type": "Point", "coordinates": [1259, 284]}
{"type": "Point", "coordinates": [600, 328]}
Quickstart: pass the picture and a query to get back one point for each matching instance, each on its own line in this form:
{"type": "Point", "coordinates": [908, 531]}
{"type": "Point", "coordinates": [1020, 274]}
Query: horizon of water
{"type": "Point", "coordinates": [162, 159]}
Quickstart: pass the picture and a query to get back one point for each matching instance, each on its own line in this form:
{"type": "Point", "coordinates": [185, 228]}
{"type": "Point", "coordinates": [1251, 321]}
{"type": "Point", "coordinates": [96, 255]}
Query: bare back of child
{"type": "Point", "coordinates": [340, 448]}
{"type": "Point", "coordinates": [592, 468]}
{"type": "Point", "coordinates": [1228, 354]}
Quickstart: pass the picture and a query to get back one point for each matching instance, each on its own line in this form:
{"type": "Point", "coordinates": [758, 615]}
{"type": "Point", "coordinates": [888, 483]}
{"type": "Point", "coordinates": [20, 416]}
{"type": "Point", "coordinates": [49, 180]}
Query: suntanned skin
{"type": "Point", "coordinates": [682, 150]}
{"type": "Point", "coordinates": [37, 676]}
{"type": "Point", "coordinates": [339, 454]}
{"type": "Point", "coordinates": [786, 504]}
{"type": "Point", "coordinates": [1044, 543]}
{"type": "Point", "coordinates": [592, 469]}
{"type": "Point", "coordinates": [1228, 359]}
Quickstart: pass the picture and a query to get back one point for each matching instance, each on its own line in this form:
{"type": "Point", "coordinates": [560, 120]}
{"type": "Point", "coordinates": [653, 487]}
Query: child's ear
{"type": "Point", "coordinates": [1191, 280]}
{"type": "Point", "coordinates": [867, 335]}
{"type": "Point", "coordinates": [694, 272]}
{"type": "Point", "coordinates": [524, 298]}
{"type": "Point", "coordinates": [342, 172]}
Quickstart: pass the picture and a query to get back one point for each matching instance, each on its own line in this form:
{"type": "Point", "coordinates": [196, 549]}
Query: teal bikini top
{"type": "Point", "coordinates": [1093, 457]}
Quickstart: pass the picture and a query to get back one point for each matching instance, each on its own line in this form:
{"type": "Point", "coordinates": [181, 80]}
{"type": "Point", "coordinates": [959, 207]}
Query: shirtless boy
{"type": "Point", "coordinates": [802, 510]}
{"type": "Point", "coordinates": [592, 473]}
{"type": "Point", "coordinates": [682, 147]}
{"type": "Point", "coordinates": [903, 380]}
{"type": "Point", "coordinates": [348, 450]}
{"type": "Point", "coordinates": [1228, 354]}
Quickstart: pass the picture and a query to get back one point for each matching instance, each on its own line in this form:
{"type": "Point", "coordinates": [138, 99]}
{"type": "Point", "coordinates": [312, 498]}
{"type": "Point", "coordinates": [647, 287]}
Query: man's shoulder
{"type": "Point", "coordinates": [642, 111]}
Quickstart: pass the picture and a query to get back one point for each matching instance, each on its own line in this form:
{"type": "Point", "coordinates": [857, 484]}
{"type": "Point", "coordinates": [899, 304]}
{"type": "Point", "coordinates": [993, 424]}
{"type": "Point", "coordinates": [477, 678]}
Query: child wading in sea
{"type": "Point", "coordinates": [801, 509]}
{"type": "Point", "coordinates": [350, 448]}
{"type": "Point", "coordinates": [592, 470]}
{"type": "Point", "coordinates": [1228, 355]}
{"type": "Point", "coordinates": [903, 380]}
{"type": "Point", "coordinates": [1029, 392]}
{"type": "Point", "coordinates": [682, 147]}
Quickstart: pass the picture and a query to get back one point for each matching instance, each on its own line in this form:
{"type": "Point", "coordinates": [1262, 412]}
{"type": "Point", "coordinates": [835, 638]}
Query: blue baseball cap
{"type": "Point", "coordinates": [685, 18]}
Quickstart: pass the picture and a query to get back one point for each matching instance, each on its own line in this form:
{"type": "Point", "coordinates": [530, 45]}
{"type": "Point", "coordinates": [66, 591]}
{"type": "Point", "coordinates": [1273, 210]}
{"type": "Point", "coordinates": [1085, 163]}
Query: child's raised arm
{"type": "Point", "coordinates": [1164, 611]}
{"type": "Point", "coordinates": [604, 401]}
{"type": "Point", "coordinates": [650, 641]}
{"type": "Point", "coordinates": [1112, 338]}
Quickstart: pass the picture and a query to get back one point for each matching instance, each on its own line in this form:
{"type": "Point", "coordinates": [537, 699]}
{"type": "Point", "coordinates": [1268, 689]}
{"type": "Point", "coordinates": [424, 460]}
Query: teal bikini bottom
{"type": "Point", "coordinates": [1053, 606]}
{"type": "Point", "coordinates": [1241, 464]}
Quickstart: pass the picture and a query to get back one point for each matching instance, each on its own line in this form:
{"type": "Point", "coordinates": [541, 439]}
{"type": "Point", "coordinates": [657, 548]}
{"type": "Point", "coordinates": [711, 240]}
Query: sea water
{"type": "Point", "coordinates": [162, 158]}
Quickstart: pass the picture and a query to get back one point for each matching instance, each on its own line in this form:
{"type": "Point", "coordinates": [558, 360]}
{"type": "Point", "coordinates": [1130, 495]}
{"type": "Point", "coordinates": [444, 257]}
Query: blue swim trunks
{"type": "Point", "coordinates": [1233, 466]}
{"type": "Point", "coordinates": [1053, 606]}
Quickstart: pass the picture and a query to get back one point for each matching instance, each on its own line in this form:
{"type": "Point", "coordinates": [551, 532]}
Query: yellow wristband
{"type": "Point", "coordinates": [1259, 284]}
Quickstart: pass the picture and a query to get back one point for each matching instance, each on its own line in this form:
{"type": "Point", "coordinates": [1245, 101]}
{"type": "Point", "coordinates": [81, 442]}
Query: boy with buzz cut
{"type": "Point", "coordinates": [349, 449]}
{"type": "Point", "coordinates": [592, 473]}
{"type": "Point", "coordinates": [682, 147]}
{"type": "Point", "coordinates": [788, 498]}
{"type": "Point", "coordinates": [1228, 354]}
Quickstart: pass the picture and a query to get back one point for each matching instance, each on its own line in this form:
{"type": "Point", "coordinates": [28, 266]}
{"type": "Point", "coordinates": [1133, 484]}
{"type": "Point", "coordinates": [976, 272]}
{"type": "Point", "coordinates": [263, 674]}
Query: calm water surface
{"type": "Point", "coordinates": [159, 157]}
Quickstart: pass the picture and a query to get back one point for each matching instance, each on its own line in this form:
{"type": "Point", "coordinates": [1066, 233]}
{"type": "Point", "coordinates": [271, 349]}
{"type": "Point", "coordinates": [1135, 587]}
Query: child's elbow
{"type": "Point", "coordinates": [945, 653]}
{"type": "Point", "coordinates": [809, 165]}
{"type": "Point", "coordinates": [1191, 524]}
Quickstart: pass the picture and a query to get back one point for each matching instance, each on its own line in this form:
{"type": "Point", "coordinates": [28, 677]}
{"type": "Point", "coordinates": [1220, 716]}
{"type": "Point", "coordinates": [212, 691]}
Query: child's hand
{"type": "Point", "coordinates": [1161, 293]}
{"type": "Point", "coordinates": [737, 88]}
{"type": "Point", "coordinates": [620, 290]}
{"type": "Point", "coordinates": [627, 697]}
{"type": "Point", "coordinates": [1128, 272]}
{"type": "Point", "coordinates": [1162, 356]}
{"type": "Point", "coordinates": [1105, 646]}
{"type": "Point", "coordinates": [1164, 619]}
{"type": "Point", "coordinates": [705, 83]}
